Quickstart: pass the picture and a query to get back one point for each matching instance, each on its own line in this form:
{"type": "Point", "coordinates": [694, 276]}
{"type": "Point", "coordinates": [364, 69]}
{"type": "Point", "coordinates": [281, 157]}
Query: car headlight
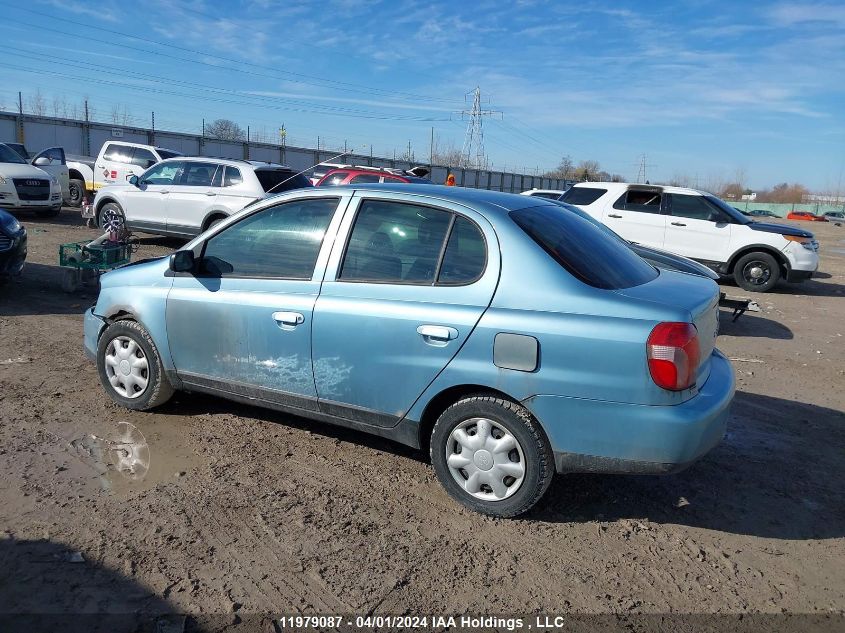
{"type": "Point", "coordinates": [2, 180]}
{"type": "Point", "coordinates": [806, 242]}
{"type": "Point", "coordinates": [55, 180]}
{"type": "Point", "coordinates": [10, 223]}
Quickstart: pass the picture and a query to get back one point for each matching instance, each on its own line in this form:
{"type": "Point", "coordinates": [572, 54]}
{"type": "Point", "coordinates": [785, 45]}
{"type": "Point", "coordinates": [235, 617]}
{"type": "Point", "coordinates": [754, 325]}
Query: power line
{"type": "Point", "coordinates": [54, 59]}
{"type": "Point", "coordinates": [360, 115]}
{"type": "Point", "coordinates": [302, 77]}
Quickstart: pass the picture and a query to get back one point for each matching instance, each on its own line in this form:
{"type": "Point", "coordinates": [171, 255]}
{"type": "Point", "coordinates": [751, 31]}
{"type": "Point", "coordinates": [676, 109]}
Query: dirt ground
{"type": "Point", "coordinates": [245, 511]}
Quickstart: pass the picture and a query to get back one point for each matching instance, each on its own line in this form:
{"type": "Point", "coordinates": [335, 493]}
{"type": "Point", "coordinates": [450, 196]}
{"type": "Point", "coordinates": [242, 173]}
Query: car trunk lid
{"type": "Point", "coordinates": [695, 295]}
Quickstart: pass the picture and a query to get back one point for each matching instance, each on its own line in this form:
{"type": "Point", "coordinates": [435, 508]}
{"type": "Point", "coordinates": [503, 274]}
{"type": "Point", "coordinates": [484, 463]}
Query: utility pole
{"type": "Point", "coordinates": [431, 149]}
{"type": "Point", "coordinates": [20, 118]}
{"type": "Point", "coordinates": [472, 153]}
{"type": "Point", "coordinates": [410, 156]}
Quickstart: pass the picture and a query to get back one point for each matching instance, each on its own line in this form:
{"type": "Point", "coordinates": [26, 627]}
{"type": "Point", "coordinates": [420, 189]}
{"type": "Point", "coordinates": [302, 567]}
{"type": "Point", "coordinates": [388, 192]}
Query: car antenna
{"type": "Point", "coordinates": [328, 160]}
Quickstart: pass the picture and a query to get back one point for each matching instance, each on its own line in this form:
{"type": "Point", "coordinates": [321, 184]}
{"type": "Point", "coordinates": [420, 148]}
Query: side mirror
{"type": "Point", "coordinates": [41, 160]}
{"type": "Point", "coordinates": [182, 262]}
{"type": "Point", "coordinates": [133, 180]}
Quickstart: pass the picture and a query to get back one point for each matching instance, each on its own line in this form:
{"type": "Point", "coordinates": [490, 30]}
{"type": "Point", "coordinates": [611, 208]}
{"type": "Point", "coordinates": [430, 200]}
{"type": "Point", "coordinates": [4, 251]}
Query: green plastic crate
{"type": "Point", "coordinates": [80, 255]}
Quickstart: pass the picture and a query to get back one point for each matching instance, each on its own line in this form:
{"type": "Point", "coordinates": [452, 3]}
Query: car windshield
{"type": "Point", "coordinates": [593, 255]}
{"type": "Point", "coordinates": [8, 155]}
{"type": "Point", "coordinates": [279, 180]}
{"type": "Point", "coordinates": [730, 211]}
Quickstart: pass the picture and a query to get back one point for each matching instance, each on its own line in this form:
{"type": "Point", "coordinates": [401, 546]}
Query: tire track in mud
{"type": "Point", "coordinates": [213, 523]}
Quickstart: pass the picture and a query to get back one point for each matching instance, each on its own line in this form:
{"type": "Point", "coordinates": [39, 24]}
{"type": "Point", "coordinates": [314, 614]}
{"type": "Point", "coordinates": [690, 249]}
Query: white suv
{"type": "Point", "coordinates": [184, 196]}
{"type": "Point", "coordinates": [702, 227]}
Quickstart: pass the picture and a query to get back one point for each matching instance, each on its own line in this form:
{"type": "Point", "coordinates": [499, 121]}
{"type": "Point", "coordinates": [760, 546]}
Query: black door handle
{"type": "Point", "coordinates": [678, 224]}
{"type": "Point", "coordinates": [613, 215]}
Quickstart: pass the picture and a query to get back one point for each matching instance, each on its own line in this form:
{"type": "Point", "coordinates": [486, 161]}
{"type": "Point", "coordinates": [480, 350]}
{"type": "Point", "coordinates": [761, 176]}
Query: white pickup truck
{"type": "Point", "coordinates": [115, 164]}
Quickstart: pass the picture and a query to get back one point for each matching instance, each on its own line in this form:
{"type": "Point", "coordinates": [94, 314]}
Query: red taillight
{"type": "Point", "coordinates": [673, 355]}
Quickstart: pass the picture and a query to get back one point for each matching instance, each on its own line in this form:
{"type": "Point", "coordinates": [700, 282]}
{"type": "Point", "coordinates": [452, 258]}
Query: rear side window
{"type": "Point", "coordinates": [399, 243]}
{"type": "Point", "coordinates": [466, 254]}
{"type": "Point", "coordinates": [394, 242]}
{"type": "Point", "coordinates": [583, 195]}
{"type": "Point", "coordinates": [197, 174]}
{"type": "Point", "coordinates": [641, 200]}
{"type": "Point", "coordinates": [278, 180]}
{"type": "Point", "coordinates": [232, 177]}
{"type": "Point", "coordinates": [546, 194]}
{"type": "Point", "coordinates": [587, 252]}
{"type": "Point", "coordinates": [280, 242]}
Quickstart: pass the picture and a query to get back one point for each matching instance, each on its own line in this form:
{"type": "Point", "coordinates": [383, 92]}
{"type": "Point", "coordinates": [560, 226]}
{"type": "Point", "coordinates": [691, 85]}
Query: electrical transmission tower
{"type": "Point", "coordinates": [641, 168]}
{"type": "Point", "coordinates": [472, 154]}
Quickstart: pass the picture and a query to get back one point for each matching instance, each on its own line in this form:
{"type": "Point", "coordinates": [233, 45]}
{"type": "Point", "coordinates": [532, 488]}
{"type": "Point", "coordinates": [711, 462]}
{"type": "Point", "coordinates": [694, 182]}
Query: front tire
{"type": "Point", "coordinates": [757, 272]}
{"type": "Point", "coordinates": [111, 213]}
{"type": "Point", "coordinates": [130, 367]}
{"type": "Point", "coordinates": [492, 456]}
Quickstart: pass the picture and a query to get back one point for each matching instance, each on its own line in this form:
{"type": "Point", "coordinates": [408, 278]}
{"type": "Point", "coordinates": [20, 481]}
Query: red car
{"type": "Point", "coordinates": [805, 215]}
{"type": "Point", "coordinates": [356, 174]}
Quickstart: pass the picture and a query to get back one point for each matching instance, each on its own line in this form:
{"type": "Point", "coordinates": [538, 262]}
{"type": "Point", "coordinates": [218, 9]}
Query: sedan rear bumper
{"type": "Point", "coordinates": [614, 437]}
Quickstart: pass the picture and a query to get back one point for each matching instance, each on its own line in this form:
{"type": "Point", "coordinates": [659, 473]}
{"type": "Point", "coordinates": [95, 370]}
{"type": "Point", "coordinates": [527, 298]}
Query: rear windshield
{"type": "Point", "coordinates": [278, 180]}
{"type": "Point", "coordinates": [587, 252]}
{"type": "Point", "coordinates": [583, 195]}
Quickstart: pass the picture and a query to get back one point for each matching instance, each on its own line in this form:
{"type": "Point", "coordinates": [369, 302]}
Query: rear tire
{"type": "Point", "coordinates": [76, 193]}
{"type": "Point", "coordinates": [492, 456]}
{"type": "Point", "coordinates": [757, 272]}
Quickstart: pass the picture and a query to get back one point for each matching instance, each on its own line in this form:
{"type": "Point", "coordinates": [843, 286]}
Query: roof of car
{"type": "Point", "coordinates": [234, 162]}
{"type": "Point", "coordinates": [461, 195]}
{"type": "Point", "coordinates": [531, 192]}
{"type": "Point", "coordinates": [639, 185]}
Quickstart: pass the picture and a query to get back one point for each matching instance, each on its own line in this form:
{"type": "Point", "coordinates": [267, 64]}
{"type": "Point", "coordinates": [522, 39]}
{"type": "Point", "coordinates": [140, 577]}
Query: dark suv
{"type": "Point", "coordinates": [356, 175]}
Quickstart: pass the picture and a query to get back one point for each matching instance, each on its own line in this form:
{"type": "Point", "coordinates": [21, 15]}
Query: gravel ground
{"type": "Point", "coordinates": [245, 511]}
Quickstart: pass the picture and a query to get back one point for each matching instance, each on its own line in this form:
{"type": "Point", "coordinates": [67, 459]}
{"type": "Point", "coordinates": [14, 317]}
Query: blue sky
{"type": "Point", "coordinates": [706, 90]}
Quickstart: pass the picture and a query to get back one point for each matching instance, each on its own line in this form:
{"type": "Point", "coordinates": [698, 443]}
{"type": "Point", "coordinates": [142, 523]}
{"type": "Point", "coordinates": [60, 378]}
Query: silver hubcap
{"type": "Point", "coordinates": [126, 367]}
{"type": "Point", "coordinates": [485, 459]}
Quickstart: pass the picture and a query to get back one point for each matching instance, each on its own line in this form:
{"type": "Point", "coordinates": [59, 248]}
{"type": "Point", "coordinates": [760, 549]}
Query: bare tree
{"type": "Point", "coordinates": [565, 169]}
{"type": "Point", "coordinates": [445, 154]}
{"type": "Point", "coordinates": [115, 114]}
{"type": "Point", "coordinates": [57, 106]}
{"type": "Point", "coordinates": [784, 192]}
{"type": "Point", "coordinates": [587, 170]}
{"type": "Point", "coordinates": [225, 130]}
{"type": "Point", "coordinates": [37, 104]}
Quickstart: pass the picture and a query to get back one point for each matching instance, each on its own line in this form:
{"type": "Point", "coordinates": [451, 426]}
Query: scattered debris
{"type": "Point", "coordinates": [15, 361]}
{"type": "Point", "coordinates": [747, 360]}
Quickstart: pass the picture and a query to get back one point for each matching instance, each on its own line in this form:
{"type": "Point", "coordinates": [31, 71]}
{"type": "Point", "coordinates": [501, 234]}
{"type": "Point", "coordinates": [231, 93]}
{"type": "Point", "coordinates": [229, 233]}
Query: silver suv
{"type": "Point", "coordinates": [184, 196]}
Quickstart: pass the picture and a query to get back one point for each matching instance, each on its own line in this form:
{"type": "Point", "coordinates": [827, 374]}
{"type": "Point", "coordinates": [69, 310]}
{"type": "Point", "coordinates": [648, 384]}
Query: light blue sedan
{"type": "Point", "coordinates": [511, 337]}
